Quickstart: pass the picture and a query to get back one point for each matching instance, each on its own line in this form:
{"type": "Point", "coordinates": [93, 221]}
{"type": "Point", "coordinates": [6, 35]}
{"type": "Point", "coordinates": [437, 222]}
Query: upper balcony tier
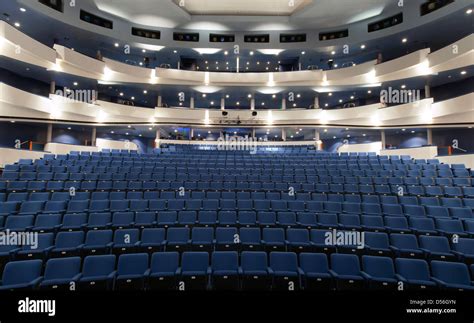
{"type": "Point", "coordinates": [18, 46]}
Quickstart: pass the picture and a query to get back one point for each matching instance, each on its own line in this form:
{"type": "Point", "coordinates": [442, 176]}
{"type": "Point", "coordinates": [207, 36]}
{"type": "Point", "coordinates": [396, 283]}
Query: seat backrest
{"type": "Point", "coordinates": [451, 272]}
{"type": "Point", "coordinates": [164, 262]}
{"type": "Point", "coordinates": [254, 260]}
{"type": "Point", "coordinates": [225, 260]}
{"type": "Point", "coordinates": [126, 236]}
{"type": "Point", "coordinates": [153, 235]}
{"type": "Point", "coordinates": [195, 262]}
{"type": "Point", "coordinates": [202, 234]}
{"type": "Point", "coordinates": [297, 235]}
{"type": "Point", "coordinates": [178, 234]}
{"type": "Point", "coordinates": [435, 244]}
{"type": "Point", "coordinates": [380, 267]}
{"type": "Point", "coordinates": [404, 241]}
{"type": "Point", "coordinates": [283, 261]}
{"type": "Point", "coordinates": [314, 262]}
{"type": "Point", "coordinates": [21, 272]}
{"type": "Point", "coordinates": [132, 264]}
{"type": "Point", "coordinates": [96, 266]}
{"type": "Point", "coordinates": [376, 240]}
{"type": "Point", "coordinates": [69, 239]}
{"type": "Point", "coordinates": [62, 268]}
{"type": "Point", "coordinates": [226, 235]}
{"type": "Point", "coordinates": [413, 269]}
{"type": "Point", "coordinates": [99, 237]}
{"type": "Point", "coordinates": [345, 264]}
{"type": "Point", "coordinates": [465, 245]}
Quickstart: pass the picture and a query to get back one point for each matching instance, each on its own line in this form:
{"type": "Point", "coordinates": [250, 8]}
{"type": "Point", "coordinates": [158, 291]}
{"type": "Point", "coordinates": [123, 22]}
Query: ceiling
{"type": "Point", "coordinates": [245, 15]}
{"type": "Point", "coordinates": [242, 7]}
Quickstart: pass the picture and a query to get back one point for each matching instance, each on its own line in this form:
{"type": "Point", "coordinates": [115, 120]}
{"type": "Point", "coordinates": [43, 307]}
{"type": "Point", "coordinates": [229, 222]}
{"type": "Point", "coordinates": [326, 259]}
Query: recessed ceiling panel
{"type": "Point", "coordinates": [242, 7]}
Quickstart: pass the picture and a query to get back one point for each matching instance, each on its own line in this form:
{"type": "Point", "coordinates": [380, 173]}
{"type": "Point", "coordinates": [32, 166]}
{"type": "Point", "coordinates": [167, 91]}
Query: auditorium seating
{"type": "Point", "coordinates": [194, 218]}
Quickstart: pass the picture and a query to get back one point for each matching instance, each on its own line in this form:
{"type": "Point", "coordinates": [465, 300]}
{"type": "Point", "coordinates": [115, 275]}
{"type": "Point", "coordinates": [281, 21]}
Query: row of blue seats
{"type": "Point", "coordinates": [381, 177]}
{"type": "Point", "coordinates": [303, 159]}
{"type": "Point", "coordinates": [126, 219]}
{"type": "Point", "coordinates": [245, 169]}
{"type": "Point", "coordinates": [232, 195]}
{"type": "Point", "coordinates": [242, 198]}
{"type": "Point", "coordinates": [295, 206]}
{"type": "Point", "coordinates": [225, 271]}
{"type": "Point", "coordinates": [186, 165]}
{"type": "Point", "coordinates": [39, 186]}
{"type": "Point", "coordinates": [120, 241]}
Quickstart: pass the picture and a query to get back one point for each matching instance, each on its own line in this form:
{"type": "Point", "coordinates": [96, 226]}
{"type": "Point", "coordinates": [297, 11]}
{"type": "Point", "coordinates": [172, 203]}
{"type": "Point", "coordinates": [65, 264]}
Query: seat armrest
{"type": "Point", "coordinates": [438, 281]}
{"type": "Point", "coordinates": [111, 275]}
{"type": "Point", "coordinates": [400, 278]}
{"type": "Point", "coordinates": [333, 273]}
{"type": "Point", "coordinates": [77, 277]}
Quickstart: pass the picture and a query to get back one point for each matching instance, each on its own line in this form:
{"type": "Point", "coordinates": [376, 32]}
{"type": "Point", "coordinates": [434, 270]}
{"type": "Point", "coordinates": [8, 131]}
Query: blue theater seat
{"type": "Point", "coordinates": [97, 242]}
{"type": "Point", "coordinates": [126, 241]}
{"type": "Point", "coordinates": [315, 271]}
{"type": "Point", "coordinates": [436, 248]}
{"type": "Point", "coordinates": [121, 220]}
{"type": "Point", "coordinates": [195, 271]}
{"type": "Point", "coordinates": [405, 245]}
{"type": "Point", "coordinates": [377, 243]}
{"type": "Point", "coordinates": [247, 218]}
{"type": "Point", "coordinates": [207, 218]}
{"type": "Point", "coordinates": [421, 225]}
{"type": "Point", "coordinates": [99, 221]}
{"type": "Point", "coordinates": [464, 249]}
{"type": "Point", "coordinates": [178, 239]}
{"type": "Point", "coordinates": [414, 273]}
{"type": "Point", "coordinates": [319, 241]}
{"type": "Point", "coordinates": [61, 274]}
{"type": "Point", "coordinates": [451, 275]}
{"type": "Point", "coordinates": [45, 244]}
{"type": "Point", "coordinates": [152, 240]}
{"type": "Point", "coordinates": [31, 207]}
{"type": "Point", "coordinates": [22, 275]}
{"type": "Point", "coordinates": [285, 271]}
{"type": "Point", "coordinates": [297, 240]}
{"type": "Point", "coordinates": [449, 227]}
{"type": "Point", "coordinates": [379, 272]}
{"type": "Point", "coordinates": [255, 271]}
{"type": "Point", "coordinates": [145, 220]}
{"type": "Point", "coordinates": [346, 270]}
{"type": "Point", "coordinates": [250, 239]}
{"type": "Point", "coordinates": [227, 239]}
{"type": "Point", "coordinates": [273, 239]}
{"type": "Point", "coordinates": [164, 271]}
{"type": "Point", "coordinates": [202, 239]}
{"type": "Point", "coordinates": [225, 270]}
{"type": "Point", "coordinates": [98, 273]}
{"type": "Point", "coordinates": [132, 272]}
